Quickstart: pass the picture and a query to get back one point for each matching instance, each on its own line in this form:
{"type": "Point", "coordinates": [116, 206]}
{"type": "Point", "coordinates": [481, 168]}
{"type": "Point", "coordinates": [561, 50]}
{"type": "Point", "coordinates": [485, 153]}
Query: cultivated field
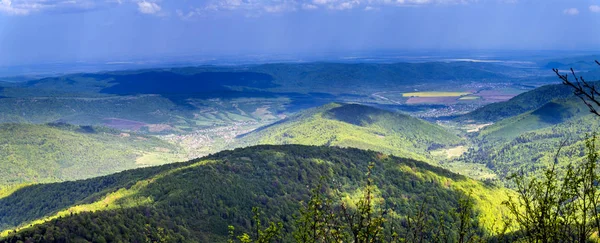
{"type": "Point", "coordinates": [470, 97]}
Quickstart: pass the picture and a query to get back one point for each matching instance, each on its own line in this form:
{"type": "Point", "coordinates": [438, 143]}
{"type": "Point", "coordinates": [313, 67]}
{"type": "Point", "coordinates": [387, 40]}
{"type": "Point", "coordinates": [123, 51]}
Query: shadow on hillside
{"type": "Point", "coordinates": [197, 202]}
{"type": "Point", "coordinates": [37, 201]}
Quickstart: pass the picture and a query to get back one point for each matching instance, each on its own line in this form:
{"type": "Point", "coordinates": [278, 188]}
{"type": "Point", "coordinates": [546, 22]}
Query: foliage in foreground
{"type": "Point", "coordinates": [561, 205]}
{"type": "Point", "coordinates": [558, 206]}
{"type": "Point", "coordinates": [368, 221]}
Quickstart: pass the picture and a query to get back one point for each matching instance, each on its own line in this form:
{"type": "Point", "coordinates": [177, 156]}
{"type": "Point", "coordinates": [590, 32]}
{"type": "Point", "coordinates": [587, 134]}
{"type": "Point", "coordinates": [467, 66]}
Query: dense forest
{"type": "Point", "coordinates": [198, 200]}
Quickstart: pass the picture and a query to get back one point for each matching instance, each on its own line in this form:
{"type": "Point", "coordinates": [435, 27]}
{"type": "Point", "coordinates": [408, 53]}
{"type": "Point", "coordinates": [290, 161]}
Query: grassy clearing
{"type": "Point", "coordinates": [450, 152]}
{"type": "Point", "coordinates": [157, 158]}
{"type": "Point", "coordinates": [435, 94]}
{"type": "Point", "coordinates": [476, 127]}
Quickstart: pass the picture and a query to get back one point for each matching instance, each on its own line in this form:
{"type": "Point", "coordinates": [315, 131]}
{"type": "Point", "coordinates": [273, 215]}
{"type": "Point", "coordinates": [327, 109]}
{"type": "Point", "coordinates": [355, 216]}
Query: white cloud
{"type": "Point", "coordinates": [25, 7]}
{"type": "Point", "coordinates": [255, 8]}
{"type": "Point", "coordinates": [346, 5]}
{"type": "Point", "coordinates": [280, 8]}
{"type": "Point", "coordinates": [7, 7]}
{"type": "Point", "coordinates": [323, 2]}
{"type": "Point", "coordinates": [595, 8]}
{"type": "Point", "coordinates": [308, 6]}
{"type": "Point", "coordinates": [571, 11]}
{"type": "Point", "coordinates": [244, 7]}
{"type": "Point", "coordinates": [370, 8]}
{"type": "Point", "coordinates": [148, 7]}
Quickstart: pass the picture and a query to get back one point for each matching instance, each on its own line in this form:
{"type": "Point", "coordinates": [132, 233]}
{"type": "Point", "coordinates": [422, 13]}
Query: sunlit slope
{"type": "Point", "coordinates": [358, 126]}
{"type": "Point", "coordinates": [197, 200]}
{"type": "Point", "coordinates": [57, 152]}
{"type": "Point", "coordinates": [529, 141]}
{"type": "Point", "coordinates": [531, 150]}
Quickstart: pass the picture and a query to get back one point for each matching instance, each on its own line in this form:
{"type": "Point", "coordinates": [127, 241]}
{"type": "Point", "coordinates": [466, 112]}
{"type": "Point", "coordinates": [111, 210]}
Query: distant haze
{"type": "Point", "coordinates": [41, 31]}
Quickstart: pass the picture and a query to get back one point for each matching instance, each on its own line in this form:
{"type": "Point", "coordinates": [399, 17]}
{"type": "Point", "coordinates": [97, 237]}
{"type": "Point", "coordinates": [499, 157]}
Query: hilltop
{"type": "Point", "coordinates": [554, 112]}
{"type": "Point", "coordinates": [519, 104]}
{"type": "Point", "coordinates": [357, 126]}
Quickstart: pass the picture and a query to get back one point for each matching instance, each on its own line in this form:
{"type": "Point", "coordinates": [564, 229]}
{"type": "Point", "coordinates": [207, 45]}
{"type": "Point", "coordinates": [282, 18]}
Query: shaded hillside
{"type": "Point", "coordinates": [529, 141]}
{"type": "Point", "coordinates": [57, 152]}
{"type": "Point", "coordinates": [197, 200]}
{"type": "Point", "coordinates": [362, 77]}
{"type": "Point", "coordinates": [153, 81]}
{"type": "Point", "coordinates": [579, 63]}
{"type": "Point", "coordinates": [519, 104]}
{"type": "Point", "coordinates": [287, 77]}
{"type": "Point", "coordinates": [552, 113]}
{"type": "Point", "coordinates": [358, 126]}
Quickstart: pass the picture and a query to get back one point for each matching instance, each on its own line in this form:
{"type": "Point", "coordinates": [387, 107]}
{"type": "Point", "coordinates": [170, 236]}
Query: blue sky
{"type": "Point", "coordinates": [33, 31]}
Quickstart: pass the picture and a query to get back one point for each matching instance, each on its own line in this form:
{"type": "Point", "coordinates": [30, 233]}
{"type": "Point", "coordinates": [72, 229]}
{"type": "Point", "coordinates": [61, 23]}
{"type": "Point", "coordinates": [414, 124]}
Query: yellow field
{"type": "Point", "coordinates": [434, 94]}
{"type": "Point", "coordinates": [469, 98]}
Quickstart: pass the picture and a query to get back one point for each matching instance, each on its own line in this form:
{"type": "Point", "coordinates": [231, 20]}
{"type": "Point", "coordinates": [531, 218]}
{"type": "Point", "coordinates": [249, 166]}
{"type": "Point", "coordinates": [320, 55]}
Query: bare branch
{"type": "Point", "coordinates": [586, 91]}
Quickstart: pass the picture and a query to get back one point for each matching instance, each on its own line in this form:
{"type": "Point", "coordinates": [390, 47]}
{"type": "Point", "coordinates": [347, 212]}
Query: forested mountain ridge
{"type": "Point", "coordinates": [361, 77]}
{"type": "Point", "coordinates": [197, 200]}
{"type": "Point", "coordinates": [283, 77]}
{"type": "Point", "coordinates": [358, 126]}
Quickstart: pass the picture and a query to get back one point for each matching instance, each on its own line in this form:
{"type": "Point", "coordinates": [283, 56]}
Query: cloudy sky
{"type": "Point", "coordinates": [80, 30]}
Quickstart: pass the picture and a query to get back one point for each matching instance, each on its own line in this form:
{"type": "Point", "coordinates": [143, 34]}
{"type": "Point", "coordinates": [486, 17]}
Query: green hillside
{"type": "Point", "coordinates": [58, 152]}
{"type": "Point", "coordinates": [196, 201]}
{"type": "Point", "coordinates": [534, 149]}
{"type": "Point", "coordinates": [552, 113]}
{"type": "Point", "coordinates": [358, 126]}
{"type": "Point", "coordinates": [519, 104]}
{"type": "Point", "coordinates": [141, 113]}
{"type": "Point", "coordinates": [528, 141]}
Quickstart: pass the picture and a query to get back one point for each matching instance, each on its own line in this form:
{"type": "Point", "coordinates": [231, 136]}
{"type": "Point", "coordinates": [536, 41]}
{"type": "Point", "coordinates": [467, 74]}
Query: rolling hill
{"type": "Point", "coordinates": [531, 150]}
{"type": "Point", "coordinates": [358, 126]}
{"type": "Point", "coordinates": [551, 113]}
{"type": "Point", "coordinates": [519, 104]}
{"type": "Point", "coordinates": [196, 201]}
{"type": "Point", "coordinates": [58, 152]}
{"type": "Point", "coordinates": [528, 141]}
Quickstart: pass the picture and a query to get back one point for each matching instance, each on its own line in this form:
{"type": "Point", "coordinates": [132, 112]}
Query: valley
{"type": "Point", "coordinates": [200, 115]}
{"type": "Point", "coordinates": [99, 149]}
